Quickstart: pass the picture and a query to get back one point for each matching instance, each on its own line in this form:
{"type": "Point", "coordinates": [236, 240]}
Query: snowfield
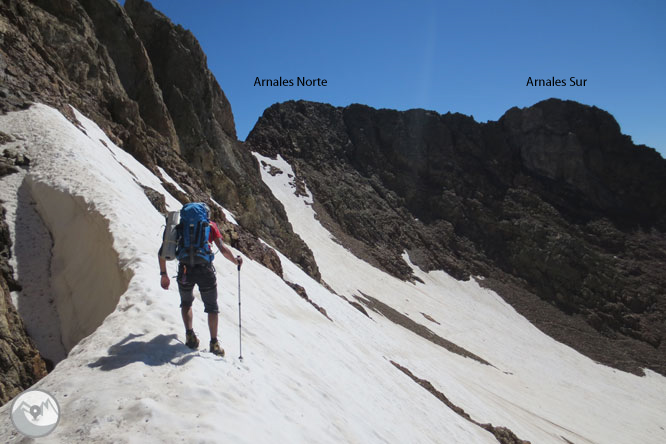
{"type": "Point", "coordinates": [86, 239]}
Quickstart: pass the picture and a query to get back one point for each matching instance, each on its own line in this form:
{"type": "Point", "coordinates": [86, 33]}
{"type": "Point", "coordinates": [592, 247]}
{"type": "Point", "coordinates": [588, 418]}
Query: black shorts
{"type": "Point", "coordinates": [202, 275]}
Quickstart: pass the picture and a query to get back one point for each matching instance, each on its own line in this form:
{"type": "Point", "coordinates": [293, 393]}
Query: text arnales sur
{"type": "Point", "coordinates": [556, 82]}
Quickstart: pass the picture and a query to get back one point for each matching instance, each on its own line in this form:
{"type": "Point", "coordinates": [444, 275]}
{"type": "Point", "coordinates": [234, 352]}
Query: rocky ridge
{"type": "Point", "coordinates": [158, 102]}
{"type": "Point", "coordinates": [551, 206]}
{"type": "Point", "coordinates": [144, 81]}
{"type": "Point", "coordinates": [206, 132]}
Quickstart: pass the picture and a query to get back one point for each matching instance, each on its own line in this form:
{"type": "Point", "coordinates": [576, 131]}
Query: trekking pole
{"type": "Point", "coordinates": [240, 343]}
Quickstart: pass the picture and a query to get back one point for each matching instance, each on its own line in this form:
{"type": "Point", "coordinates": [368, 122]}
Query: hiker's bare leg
{"type": "Point", "coordinates": [187, 317]}
{"type": "Point", "coordinates": [212, 324]}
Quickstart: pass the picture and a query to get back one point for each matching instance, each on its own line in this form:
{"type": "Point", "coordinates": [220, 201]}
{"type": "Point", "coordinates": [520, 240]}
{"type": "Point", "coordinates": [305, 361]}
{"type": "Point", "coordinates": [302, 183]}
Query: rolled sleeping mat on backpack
{"type": "Point", "coordinates": [170, 241]}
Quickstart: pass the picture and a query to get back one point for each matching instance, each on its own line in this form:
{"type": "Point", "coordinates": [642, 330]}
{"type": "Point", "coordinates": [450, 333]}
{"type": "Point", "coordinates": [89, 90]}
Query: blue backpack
{"type": "Point", "coordinates": [194, 229]}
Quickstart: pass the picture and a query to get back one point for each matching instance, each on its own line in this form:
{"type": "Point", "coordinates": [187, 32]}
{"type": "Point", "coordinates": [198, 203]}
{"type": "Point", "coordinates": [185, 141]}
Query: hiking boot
{"type": "Point", "coordinates": [191, 339]}
{"type": "Point", "coordinates": [215, 348]}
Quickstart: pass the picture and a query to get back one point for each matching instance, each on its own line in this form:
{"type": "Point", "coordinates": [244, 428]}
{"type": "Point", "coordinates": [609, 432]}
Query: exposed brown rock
{"type": "Point", "coordinates": [200, 111]}
{"type": "Point", "coordinates": [430, 318]}
{"type": "Point", "coordinates": [502, 434]}
{"type": "Point", "coordinates": [240, 239]}
{"type": "Point", "coordinates": [20, 363]}
{"type": "Point", "coordinates": [90, 55]}
{"type": "Point", "coordinates": [304, 294]}
{"type": "Point", "coordinates": [4, 138]}
{"type": "Point", "coordinates": [421, 330]}
{"type": "Point", "coordinates": [114, 30]}
{"type": "Point", "coordinates": [206, 131]}
{"type": "Point", "coordinates": [156, 198]}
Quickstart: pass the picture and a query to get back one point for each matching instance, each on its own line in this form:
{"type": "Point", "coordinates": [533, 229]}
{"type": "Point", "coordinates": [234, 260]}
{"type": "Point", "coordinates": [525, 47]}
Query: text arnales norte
{"type": "Point", "coordinates": [300, 81]}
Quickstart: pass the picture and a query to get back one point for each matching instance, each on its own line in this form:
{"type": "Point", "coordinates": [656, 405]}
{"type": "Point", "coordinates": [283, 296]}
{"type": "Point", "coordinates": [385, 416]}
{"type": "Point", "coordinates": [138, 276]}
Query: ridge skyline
{"type": "Point", "coordinates": [444, 58]}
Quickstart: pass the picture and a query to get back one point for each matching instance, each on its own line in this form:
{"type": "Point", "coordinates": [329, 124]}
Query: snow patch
{"type": "Point", "coordinates": [230, 217]}
{"type": "Point", "coordinates": [31, 261]}
{"type": "Point", "coordinates": [86, 279]}
{"type": "Point", "coordinates": [170, 180]}
{"type": "Point", "coordinates": [289, 179]}
{"type": "Point", "coordinates": [540, 389]}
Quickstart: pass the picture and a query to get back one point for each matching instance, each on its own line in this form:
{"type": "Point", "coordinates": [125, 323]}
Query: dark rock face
{"type": "Point", "coordinates": [550, 204]}
{"type": "Point", "coordinates": [114, 30]}
{"type": "Point", "coordinates": [155, 99]}
{"type": "Point", "coordinates": [50, 53]}
{"type": "Point", "coordinates": [205, 126]}
{"type": "Point", "coordinates": [200, 110]}
{"type": "Point", "coordinates": [20, 362]}
{"type": "Point", "coordinates": [586, 166]}
{"type": "Point", "coordinates": [156, 198]}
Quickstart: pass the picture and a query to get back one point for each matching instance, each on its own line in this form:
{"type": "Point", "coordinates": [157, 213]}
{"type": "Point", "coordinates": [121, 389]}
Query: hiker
{"type": "Point", "coordinates": [195, 233]}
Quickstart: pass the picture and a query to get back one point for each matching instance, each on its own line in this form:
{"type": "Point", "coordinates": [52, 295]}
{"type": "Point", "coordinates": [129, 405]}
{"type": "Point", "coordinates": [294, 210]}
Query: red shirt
{"type": "Point", "coordinates": [214, 232]}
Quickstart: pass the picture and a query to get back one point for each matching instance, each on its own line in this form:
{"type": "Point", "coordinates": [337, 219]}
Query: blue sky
{"type": "Point", "coordinates": [468, 57]}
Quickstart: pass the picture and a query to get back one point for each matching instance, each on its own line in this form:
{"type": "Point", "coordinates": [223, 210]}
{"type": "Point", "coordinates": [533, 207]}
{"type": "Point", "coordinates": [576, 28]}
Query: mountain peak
{"type": "Point", "coordinates": [454, 194]}
{"type": "Point", "coordinates": [408, 276]}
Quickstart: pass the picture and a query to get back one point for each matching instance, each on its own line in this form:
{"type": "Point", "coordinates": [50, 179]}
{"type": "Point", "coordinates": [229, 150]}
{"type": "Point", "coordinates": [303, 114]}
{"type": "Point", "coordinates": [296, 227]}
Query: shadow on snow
{"type": "Point", "coordinates": [162, 349]}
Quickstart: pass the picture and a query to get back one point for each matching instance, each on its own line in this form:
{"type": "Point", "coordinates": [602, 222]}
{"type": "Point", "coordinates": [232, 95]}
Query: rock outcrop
{"type": "Point", "coordinates": [552, 205]}
{"type": "Point", "coordinates": [20, 362]}
{"type": "Point", "coordinates": [207, 135]}
{"type": "Point", "coordinates": [159, 102]}
{"type": "Point", "coordinates": [115, 32]}
{"type": "Point", "coordinates": [51, 54]}
{"type": "Point", "coordinates": [144, 81]}
{"type": "Point", "coordinates": [199, 109]}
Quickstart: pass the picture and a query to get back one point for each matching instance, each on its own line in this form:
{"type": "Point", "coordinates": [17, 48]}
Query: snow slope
{"type": "Point", "coordinates": [304, 378]}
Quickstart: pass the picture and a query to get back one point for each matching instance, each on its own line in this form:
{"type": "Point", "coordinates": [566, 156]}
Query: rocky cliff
{"type": "Point", "coordinates": [157, 101]}
{"type": "Point", "coordinates": [20, 362]}
{"type": "Point", "coordinates": [145, 81]}
{"type": "Point", "coordinates": [206, 132]}
{"type": "Point", "coordinates": [551, 206]}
